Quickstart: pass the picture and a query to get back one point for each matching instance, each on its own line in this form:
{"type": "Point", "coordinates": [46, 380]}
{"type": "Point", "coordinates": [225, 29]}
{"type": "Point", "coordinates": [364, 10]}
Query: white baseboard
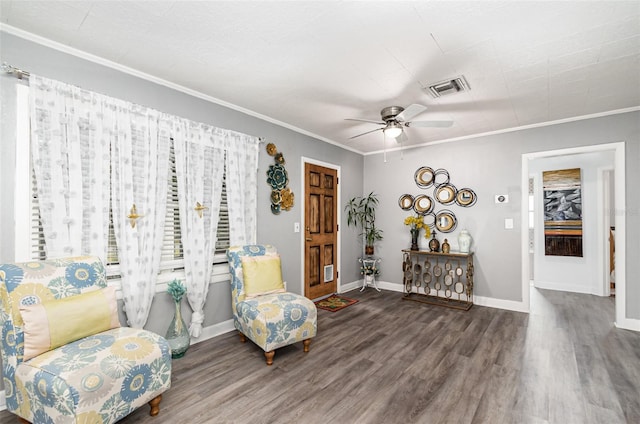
{"type": "Point", "coordinates": [350, 286]}
{"type": "Point", "coordinates": [214, 330]}
{"type": "Point", "coordinates": [383, 285]}
{"type": "Point", "coordinates": [509, 305]}
{"type": "Point", "coordinates": [3, 401]}
{"type": "Point", "coordinates": [574, 288]}
{"type": "Point", "coordinates": [628, 324]}
{"type": "Point", "coordinates": [490, 302]}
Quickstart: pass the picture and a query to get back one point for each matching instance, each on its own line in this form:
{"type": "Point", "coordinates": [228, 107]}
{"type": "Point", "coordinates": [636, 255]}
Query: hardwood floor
{"type": "Point", "coordinates": [385, 360]}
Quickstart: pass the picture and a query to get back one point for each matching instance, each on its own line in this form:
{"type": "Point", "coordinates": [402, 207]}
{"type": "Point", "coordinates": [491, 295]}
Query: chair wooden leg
{"type": "Point", "coordinates": [243, 338]}
{"type": "Point", "coordinates": [305, 345]}
{"type": "Point", "coordinates": [155, 405]}
{"type": "Point", "coordinates": [269, 355]}
{"type": "Point", "coordinates": [23, 421]}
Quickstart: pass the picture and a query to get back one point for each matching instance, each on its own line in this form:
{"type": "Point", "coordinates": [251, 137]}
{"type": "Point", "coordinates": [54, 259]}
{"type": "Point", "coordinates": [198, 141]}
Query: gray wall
{"type": "Point", "coordinates": [274, 229]}
{"type": "Point", "coordinates": [491, 165]}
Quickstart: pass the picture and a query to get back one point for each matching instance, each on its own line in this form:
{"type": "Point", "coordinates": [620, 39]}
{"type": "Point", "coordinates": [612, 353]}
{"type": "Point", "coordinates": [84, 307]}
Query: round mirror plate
{"type": "Point", "coordinates": [405, 202]}
{"type": "Point", "coordinates": [446, 221]}
{"type": "Point", "coordinates": [445, 194]}
{"type": "Point", "coordinates": [466, 197]}
{"type": "Point", "coordinates": [422, 204]}
{"type": "Point", "coordinates": [424, 177]}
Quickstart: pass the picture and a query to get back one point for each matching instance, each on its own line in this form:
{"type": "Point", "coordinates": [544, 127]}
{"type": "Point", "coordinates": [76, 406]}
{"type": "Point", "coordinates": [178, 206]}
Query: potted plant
{"type": "Point", "coordinates": [361, 213]}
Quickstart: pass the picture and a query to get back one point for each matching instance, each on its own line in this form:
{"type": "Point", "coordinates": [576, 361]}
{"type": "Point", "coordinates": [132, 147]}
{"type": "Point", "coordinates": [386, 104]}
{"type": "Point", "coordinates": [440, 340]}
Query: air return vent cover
{"type": "Point", "coordinates": [449, 86]}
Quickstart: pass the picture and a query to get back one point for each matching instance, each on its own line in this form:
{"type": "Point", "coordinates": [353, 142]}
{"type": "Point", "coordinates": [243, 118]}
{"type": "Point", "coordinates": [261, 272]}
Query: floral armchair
{"type": "Point", "coordinates": [272, 319]}
{"type": "Point", "coordinates": [99, 377]}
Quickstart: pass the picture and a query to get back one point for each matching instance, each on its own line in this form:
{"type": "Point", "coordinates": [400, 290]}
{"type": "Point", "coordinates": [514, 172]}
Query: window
{"type": "Point", "coordinates": [29, 242]}
{"type": "Point", "coordinates": [172, 254]}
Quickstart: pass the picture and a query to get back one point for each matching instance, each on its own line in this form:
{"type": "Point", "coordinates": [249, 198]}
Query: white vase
{"type": "Point", "coordinates": [464, 241]}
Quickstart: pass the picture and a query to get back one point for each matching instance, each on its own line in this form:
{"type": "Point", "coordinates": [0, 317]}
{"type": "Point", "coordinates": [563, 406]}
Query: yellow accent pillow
{"type": "Point", "coordinates": [55, 323]}
{"type": "Point", "coordinates": [261, 275]}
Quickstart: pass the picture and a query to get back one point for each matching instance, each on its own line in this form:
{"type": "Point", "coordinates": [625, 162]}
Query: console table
{"type": "Point", "coordinates": [443, 279]}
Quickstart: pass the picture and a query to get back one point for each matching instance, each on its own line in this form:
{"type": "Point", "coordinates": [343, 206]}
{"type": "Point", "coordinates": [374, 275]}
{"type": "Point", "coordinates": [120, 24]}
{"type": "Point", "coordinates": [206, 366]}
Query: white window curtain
{"type": "Point", "coordinates": [139, 176]}
{"type": "Point", "coordinates": [70, 151]}
{"type": "Point", "coordinates": [199, 153]}
{"type": "Point", "coordinates": [91, 152]}
{"type": "Point", "coordinates": [242, 186]}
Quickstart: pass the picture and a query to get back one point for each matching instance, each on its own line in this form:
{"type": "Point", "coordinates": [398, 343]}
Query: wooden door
{"type": "Point", "coordinates": [321, 231]}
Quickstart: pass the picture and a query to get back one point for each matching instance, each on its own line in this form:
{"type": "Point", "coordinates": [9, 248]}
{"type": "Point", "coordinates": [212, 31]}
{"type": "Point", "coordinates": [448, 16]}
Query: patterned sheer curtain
{"type": "Point", "coordinates": [242, 186]}
{"type": "Point", "coordinates": [199, 153]}
{"type": "Point", "coordinates": [139, 180]}
{"type": "Point", "coordinates": [70, 152]}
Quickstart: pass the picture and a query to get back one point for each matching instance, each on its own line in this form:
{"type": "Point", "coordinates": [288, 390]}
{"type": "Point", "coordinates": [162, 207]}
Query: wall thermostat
{"type": "Point", "coordinates": [502, 198]}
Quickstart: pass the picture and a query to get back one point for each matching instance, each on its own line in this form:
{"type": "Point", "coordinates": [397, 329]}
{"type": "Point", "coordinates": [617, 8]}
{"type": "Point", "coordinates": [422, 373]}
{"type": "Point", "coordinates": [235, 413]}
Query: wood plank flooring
{"type": "Point", "coordinates": [385, 360]}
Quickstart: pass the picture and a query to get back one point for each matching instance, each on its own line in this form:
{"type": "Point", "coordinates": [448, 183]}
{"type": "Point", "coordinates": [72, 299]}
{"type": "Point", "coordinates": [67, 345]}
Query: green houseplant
{"type": "Point", "coordinates": [361, 213]}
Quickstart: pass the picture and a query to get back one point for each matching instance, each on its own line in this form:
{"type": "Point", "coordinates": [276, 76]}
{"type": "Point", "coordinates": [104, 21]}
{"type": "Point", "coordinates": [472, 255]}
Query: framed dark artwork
{"type": "Point", "coordinates": [562, 196]}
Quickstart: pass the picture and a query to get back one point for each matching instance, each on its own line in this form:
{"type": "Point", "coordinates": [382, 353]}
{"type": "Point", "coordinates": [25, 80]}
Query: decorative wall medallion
{"type": "Point", "coordinates": [430, 220]}
{"type": "Point", "coordinates": [466, 197]}
{"type": "Point", "coordinates": [281, 196]}
{"type": "Point", "coordinates": [440, 176]}
{"type": "Point", "coordinates": [277, 177]}
{"type": "Point", "coordinates": [424, 177]}
{"type": "Point", "coordinates": [423, 204]}
{"type": "Point", "coordinates": [287, 198]}
{"type": "Point", "coordinates": [272, 149]}
{"type": "Point", "coordinates": [445, 193]}
{"type": "Point", "coordinates": [406, 202]}
{"type": "Point", "coordinates": [446, 221]}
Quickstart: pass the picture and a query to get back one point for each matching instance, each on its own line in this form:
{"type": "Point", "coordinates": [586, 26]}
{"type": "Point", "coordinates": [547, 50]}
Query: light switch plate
{"type": "Point", "coordinates": [296, 227]}
{"type": "Point", "coordinates": [508, 223]}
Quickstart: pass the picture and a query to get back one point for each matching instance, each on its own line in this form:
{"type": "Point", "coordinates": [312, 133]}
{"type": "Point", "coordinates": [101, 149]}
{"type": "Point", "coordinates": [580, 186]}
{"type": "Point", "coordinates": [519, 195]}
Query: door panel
{"type": "Point", "coordinates": [321, 231]}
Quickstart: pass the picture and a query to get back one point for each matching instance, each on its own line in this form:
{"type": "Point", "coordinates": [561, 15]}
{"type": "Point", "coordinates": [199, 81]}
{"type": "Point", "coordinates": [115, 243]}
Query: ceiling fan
{"type": "Point", "coordinates": [395, 118]}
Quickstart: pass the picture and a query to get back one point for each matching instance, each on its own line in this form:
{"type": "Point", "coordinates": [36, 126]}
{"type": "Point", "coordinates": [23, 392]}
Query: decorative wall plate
{"type": "Point", "coordinates": [440, 176]}
{"type": "Point", "coordinates": [287, 199]}
{"type": "Point", "coordinates": [424, 177]}
{"type": "Point", "coordinates": [405, 202]}
{"type": "Point", "coordinates": [422, 204]}
{"type": "Point", "coordinates": [445, 194]}
{"type": "Point", "coordinates": [446, 221]}
{"type": "Point", "coordinates": [430, 220]}
{"type": "Point", "coordinates": [466, 197]}
{"type": "Point", "coordinates": [272, 149]}
{"type": "Point", "coordinates": [275, 197]}
{"type": "Point", "coordinates": [277, 177]}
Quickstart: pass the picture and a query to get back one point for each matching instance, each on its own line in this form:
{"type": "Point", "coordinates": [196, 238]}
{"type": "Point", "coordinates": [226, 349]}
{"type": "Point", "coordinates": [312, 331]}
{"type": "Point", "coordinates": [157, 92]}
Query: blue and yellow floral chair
{"type": "Point", "coordinates": [86, 368]}
{"type": "Point", "coordinates": [262, 310]}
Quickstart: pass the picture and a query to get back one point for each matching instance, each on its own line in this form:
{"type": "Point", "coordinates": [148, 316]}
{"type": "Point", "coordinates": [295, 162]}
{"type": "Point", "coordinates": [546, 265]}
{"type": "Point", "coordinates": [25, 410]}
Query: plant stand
{"type": "Point", "coordinates": [369, 279]}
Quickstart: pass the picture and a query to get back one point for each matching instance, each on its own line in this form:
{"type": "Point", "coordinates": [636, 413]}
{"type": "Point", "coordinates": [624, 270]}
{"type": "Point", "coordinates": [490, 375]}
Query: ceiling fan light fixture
{"type": "Point", "coordinates": [393, 130]}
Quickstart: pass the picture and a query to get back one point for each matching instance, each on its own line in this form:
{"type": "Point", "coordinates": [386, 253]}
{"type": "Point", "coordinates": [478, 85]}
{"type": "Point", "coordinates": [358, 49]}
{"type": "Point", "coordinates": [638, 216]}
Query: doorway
{"type": "Point", "coordinates": [320, 230]}
{"type": "Point", "coordinates": [619, 205]}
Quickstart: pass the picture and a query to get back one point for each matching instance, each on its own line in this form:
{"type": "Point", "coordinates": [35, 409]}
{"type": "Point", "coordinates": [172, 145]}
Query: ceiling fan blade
{"type": "Point", "coordinates": [365, 133]}
{"type": "Point", "coordinates": [442, 124]}
{"type": "Point", "coordinates": [365, 120]}
{"type": "Point", "coordinates": [410, 112]}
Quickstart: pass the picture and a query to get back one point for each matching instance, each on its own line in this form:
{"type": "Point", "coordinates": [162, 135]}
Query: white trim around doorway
{"type": "Point", "coordinates": [621, 320]}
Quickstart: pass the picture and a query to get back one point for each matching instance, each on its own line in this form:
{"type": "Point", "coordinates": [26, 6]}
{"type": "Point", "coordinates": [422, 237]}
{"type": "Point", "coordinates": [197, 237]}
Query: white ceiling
{"type": "Point", "coordinates": [312, 64]}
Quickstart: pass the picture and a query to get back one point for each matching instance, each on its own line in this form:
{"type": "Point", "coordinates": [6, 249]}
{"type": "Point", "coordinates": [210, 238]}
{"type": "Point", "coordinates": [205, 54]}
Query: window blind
{"type": "Point", "coordinates": [172, 253]}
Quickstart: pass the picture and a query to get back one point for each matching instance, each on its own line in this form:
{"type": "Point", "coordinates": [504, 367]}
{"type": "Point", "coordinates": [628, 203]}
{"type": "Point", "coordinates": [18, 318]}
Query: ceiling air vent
{"type": "Point", "coordinates": [449, 86]}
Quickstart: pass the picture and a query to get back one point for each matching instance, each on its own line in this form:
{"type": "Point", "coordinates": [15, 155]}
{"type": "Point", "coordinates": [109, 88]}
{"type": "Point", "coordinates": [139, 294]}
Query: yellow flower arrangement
{"type": "Point", "coordinates": [416, 223]}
